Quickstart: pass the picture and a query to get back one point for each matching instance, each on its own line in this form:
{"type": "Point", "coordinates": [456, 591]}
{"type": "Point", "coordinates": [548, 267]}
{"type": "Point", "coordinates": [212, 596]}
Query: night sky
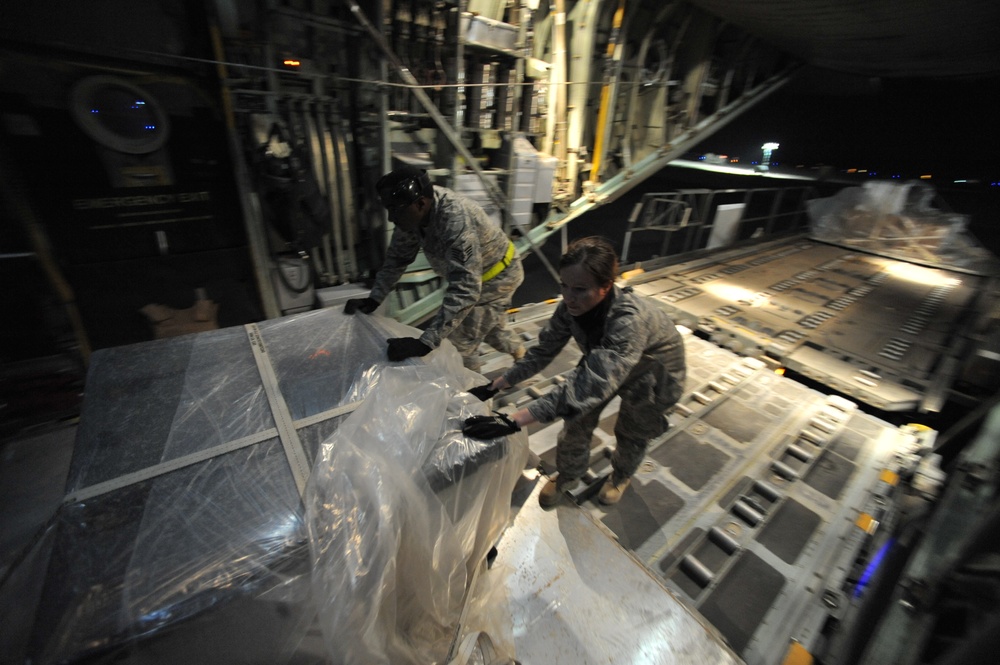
{"type": "Point", "coordinates": [946, 128]}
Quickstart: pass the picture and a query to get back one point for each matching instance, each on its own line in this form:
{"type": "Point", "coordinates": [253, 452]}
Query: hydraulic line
{"type": "Point", "coordinates": [610, 80]}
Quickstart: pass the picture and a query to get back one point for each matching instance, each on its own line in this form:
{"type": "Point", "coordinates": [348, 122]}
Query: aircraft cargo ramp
{"type": "Point", "coordinates": [886, 332]}
{"type": "Point", "coordinates": [757, 508]}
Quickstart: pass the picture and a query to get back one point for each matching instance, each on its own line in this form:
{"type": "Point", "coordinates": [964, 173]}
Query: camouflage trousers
{"type": "Point", "coordinates": [641, 418]}
{"type": "Point", "coordinates": [487, 322]}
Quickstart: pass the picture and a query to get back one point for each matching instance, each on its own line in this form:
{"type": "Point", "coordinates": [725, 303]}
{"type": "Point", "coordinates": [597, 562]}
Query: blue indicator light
{"type": "Point", "coordinates": [872, 568]}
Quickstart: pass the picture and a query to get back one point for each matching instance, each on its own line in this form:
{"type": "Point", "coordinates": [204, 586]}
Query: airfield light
{"type": "Point", "coordinates": [768, 148]}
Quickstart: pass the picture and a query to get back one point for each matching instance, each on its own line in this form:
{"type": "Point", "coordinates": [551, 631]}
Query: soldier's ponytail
{"type": "Point", "coordinates": [595, 255]}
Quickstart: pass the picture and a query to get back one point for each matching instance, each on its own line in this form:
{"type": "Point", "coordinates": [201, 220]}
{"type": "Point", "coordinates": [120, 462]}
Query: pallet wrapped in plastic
{"type": "Point", "coordinates": [274, 493]}
{"type": "Point", "coordinates": [899, 220]}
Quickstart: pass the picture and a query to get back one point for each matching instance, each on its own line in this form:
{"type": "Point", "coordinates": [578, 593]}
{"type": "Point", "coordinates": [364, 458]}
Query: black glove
{"type": "Point", "coordinates": [483, 393]}
{"type": "Point", "coordinates": [401, 348]}
{"type": "Point", "coordinates": [489, 427]}
{"type": "Point", "coordinates": [365, 305]}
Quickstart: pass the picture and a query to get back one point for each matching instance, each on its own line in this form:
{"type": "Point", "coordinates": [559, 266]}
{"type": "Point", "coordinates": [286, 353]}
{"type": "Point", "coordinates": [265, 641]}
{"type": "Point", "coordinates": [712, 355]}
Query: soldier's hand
{"type": "Point", "coordinates": [489, 427]}
{"type": "Point", "coordinates": [364, 305]}
{"type": "Point", "coordinates": [484, 392]}
{"type": "Point", "coordinates": [401, 348]}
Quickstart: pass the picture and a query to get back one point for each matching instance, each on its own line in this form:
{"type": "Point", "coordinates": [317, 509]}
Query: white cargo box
{"type": "Point", "coordinates": [522, 219]}
{"type": "Point", "coordinates": [336, 296]}
{"type": "Point", "coordinates": [487, 32]}
{"type": "Point", "coordinates": [466, 183]}
{"type": "Point", "coordinates": [524, 190]}
{"type": "Point", "coordinates": [544, 176]}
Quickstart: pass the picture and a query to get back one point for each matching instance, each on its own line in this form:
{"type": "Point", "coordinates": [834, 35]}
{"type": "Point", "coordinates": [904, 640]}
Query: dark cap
{"type": "Point", "coordinates": [402, 186]}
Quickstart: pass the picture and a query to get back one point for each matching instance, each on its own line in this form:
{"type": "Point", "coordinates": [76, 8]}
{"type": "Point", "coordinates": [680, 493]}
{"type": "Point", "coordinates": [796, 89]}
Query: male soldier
{"type": "Point", "coordinates": [463, 246]}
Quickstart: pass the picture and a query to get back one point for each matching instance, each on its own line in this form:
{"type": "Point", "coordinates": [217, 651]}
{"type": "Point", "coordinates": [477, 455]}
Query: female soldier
{"type": "Point", "coordinates": [630, 348]}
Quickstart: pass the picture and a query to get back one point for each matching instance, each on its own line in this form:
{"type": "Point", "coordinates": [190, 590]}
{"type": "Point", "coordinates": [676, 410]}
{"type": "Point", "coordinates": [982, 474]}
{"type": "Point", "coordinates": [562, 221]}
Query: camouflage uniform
{"type": "Point", "coordinates": [461, 243]}
{"type": "Point", "coordinates": [634, 351]}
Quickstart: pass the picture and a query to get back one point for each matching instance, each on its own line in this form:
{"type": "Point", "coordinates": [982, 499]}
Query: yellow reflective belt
{"type": "Point", "coordinates": [501, 265]}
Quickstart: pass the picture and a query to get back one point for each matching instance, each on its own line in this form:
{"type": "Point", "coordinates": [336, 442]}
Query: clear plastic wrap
{"type": "Point", "coordinates": [153, 567]}
{"type": "Point", "coordinates": [897, 220]}
{"type": "Point", "coordinates": [397, 471]}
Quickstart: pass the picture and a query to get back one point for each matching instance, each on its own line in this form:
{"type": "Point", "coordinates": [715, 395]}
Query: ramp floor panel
{"type": "Point", "coordinates": [576, 595]}
{"type": "Point", "coordinates": [737, 606]}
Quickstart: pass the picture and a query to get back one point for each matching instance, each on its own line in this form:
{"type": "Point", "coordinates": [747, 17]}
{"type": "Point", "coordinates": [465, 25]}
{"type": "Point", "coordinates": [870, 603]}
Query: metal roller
{"type": "Point", "coordinates": [725, 542]}
{"type": "Point", "coordinates": [746, 513]}
{"type": "Point", "coordinates": [697, 571]}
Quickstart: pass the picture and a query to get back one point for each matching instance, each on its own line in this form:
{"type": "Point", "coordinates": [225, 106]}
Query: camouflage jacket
{"type": "Point", "coordinates": [636, 338]}
{"type": "Point", "coordinates": [460, 242]}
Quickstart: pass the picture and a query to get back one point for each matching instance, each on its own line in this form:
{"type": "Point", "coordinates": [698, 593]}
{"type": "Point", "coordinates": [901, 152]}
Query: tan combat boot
{"type": "Point", "coordinates": [611, 491]}
{"type": "Point", "coordinates": [553, 492]}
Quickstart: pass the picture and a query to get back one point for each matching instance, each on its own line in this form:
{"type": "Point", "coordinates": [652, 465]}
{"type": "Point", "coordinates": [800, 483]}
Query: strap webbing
{"type": "Point", "coordinates": [296, 455]}
{"type": "Point", "coordinates": [285, 430]}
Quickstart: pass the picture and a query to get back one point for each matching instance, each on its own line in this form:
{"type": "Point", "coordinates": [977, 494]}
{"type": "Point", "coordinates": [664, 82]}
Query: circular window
{"type": "Point", "coordinates": [119, 115]}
